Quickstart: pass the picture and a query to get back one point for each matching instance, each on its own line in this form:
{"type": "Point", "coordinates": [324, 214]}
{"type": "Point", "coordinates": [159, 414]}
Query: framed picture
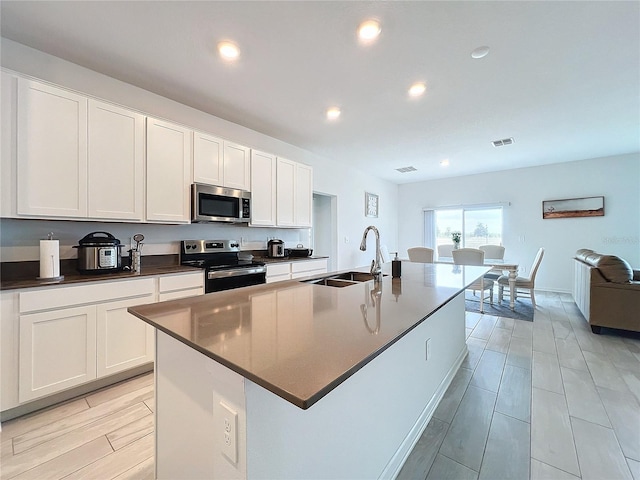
{"type": "Point", "coordinates": [573, 207]}
{"type": "Point", "coordinates": [370, 204]}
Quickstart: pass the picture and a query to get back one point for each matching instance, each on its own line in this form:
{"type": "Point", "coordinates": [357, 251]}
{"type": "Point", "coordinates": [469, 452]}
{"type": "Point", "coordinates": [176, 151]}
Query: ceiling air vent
{"type": "Point", "coordinates": [503, 142]}
{"type": "Point", "coordinates": [406, 169]}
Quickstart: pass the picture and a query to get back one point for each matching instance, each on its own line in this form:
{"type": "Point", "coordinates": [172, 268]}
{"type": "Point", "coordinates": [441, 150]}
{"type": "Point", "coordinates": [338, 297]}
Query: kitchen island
{"type": "Point", "coordinates": [303, 380]}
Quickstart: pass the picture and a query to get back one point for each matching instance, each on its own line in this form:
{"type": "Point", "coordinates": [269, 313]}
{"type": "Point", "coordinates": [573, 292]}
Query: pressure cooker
{"type": "Point", "coordinates": [99, 252]}
{"type": "Point", "coordinates": [275, 248]}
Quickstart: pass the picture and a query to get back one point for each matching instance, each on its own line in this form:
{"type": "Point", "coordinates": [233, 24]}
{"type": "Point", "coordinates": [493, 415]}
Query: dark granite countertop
{"type": "Point", "coordinates": [18, 275]}
{"type": "Point", "coordinates": [318, 336]}
{"type": "Point", "coordinates": [285, 259]}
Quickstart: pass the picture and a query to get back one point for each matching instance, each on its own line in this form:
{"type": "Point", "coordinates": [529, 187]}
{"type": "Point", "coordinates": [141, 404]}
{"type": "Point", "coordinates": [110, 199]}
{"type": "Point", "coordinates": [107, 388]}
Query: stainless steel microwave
{"type": "Point", "coordinates": [219, 204]}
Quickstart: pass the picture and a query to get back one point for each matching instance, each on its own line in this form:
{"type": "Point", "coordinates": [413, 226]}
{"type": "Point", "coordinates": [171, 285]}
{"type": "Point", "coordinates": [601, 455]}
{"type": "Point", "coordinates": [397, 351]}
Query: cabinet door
{"type": "Point", "coordinates": [9, 85]}
{"type": "Point", "coordinates": [263, 189]}
{"type": "Point", "coordinates": [57, 351]}
{"type": "Point", "coordinates": [116, 162]}
{"type": "Point", "coordinates": [168, 172]}
{"type": "Point", "coordinates": [237, 166]}
{"type": "Point", "coordinates": [304, 195]}
{"type": "Point", "coordinates": [51, 151]}
{"type": "Point", "coordinates": [9, 348]}
{"type": "Point", "coordinates": [285, 193]}
{"type": "Point", "coordinates": [123, 341]}
{"type": "Point", "coordinates": [207, 159]}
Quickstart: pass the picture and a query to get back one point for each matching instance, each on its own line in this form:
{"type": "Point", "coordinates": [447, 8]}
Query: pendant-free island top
{"type": "Point", "coordinates": [300, 340]}
{"type": "Point", "coordinates": [297, 379]}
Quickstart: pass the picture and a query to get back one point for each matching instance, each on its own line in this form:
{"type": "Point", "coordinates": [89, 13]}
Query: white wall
{"type": "Point", "coordinates": [617, 233]}
{"type": "Point", "coordinates": [330, 177]}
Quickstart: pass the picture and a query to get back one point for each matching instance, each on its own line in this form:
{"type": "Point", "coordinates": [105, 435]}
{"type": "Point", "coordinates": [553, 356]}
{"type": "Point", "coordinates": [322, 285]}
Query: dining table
{"type": "Point", "coordinates": [497, 265]}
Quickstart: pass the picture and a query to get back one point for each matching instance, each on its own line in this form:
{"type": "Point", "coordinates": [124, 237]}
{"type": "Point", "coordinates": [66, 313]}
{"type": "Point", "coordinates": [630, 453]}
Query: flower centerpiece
{"type": "Point", "coordinates": [455, 236]}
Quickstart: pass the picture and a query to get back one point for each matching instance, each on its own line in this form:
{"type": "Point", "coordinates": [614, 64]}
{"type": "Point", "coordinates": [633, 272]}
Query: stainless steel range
{"type": "Point", "coordinates": [224, 269]}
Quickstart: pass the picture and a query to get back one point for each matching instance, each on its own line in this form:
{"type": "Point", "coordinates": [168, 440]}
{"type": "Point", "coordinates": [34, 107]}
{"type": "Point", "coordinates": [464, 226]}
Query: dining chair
{"type": "Point", "coordinates": [445, 250]}
{"type": "Point", "coordinates": [420, 254]}
{"type": "Point", "coordinates": [474, 256]}
{"type": "Point", "coordinates": [524, 285]}
{"type": "Point", "coordinates": [495, 252]}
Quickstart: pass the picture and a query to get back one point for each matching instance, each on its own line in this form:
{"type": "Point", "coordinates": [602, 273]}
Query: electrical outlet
{"type": "Point", "coordinates": [426, 349]}
{"type": "Point", "coordinates": [229, 432]}
{"type": "Point", "coordinates": [522, 269]}
{"type": "Point", "coordinates": [346, 239]}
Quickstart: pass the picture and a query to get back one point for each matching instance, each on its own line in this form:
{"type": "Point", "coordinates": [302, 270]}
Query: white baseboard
{"type": "Point", "coordinates": [397, 461]}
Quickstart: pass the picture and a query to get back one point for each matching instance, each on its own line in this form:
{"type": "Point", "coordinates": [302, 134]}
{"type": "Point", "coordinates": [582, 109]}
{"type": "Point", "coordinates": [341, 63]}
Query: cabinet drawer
{"type": "Point", "coordinates": [308, 266]}
{"type": "Point", "coordinates": [278, 269]}
{"type": "Point", "coordinates": [62, 297]}
{"type": "Point", "coordinates": [186, 281]}
{"type": "Point", "coordinates": [192, 292]}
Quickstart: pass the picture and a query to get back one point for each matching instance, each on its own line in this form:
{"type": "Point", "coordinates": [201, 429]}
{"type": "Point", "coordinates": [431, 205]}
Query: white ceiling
{"type": "Point", "coordinates": [561, 78]}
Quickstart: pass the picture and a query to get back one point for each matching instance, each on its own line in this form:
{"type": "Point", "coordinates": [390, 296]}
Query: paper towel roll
{"type": "Point", "coordinates": [49, 258]}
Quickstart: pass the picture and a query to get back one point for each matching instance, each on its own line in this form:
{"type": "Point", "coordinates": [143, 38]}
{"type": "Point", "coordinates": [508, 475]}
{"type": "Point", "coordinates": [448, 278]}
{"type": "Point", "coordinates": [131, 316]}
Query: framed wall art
{"type": "Point", "coordinates": [573, 207]}
{"type": "Point", "coordinates": [370, 204]}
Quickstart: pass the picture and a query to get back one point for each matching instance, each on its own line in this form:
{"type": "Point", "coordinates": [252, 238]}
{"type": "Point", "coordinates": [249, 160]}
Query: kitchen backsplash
{"type": "Point", "coordinates": [20, 239]}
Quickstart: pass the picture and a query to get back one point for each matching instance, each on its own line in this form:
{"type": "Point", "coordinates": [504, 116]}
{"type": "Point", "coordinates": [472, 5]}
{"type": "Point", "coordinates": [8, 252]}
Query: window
{"type": "Point", "coordinates": [479, 225]}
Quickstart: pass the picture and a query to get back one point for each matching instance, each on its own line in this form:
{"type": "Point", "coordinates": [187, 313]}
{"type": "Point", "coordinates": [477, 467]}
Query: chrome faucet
{"type": "Point", "coordinates": [376, 265]}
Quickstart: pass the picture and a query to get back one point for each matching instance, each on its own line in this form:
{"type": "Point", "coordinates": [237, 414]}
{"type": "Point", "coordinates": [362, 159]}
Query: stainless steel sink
{"type": "Point", "coordinates": [342, 279]}
{"type": "Point", "coordinates": [355, 276]}
{"type": "Point", "coordinates": [331, 282]}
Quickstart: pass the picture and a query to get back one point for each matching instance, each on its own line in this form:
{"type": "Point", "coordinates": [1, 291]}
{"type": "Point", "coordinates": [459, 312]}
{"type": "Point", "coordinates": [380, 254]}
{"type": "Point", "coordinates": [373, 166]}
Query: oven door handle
{"type": "Point", "coordinates": [235, 272]}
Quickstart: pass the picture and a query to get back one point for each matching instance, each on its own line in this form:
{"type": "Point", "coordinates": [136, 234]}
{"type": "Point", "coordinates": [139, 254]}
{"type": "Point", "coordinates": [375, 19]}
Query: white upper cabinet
{"type": "Point", "coordinates": [9, 84]}
{"type": "Point", "coordinates": [116, 162]}
{"type": "Point", "coordinates": [168, 172]}
{"type": "Point", "coordinates": [304, 195]}
{"type": "Point", "coordinates": [294, 194]}
{"type": "Point", "coordinates": [263, 189]}
{"type": "Point", "coordinates": [207, 159]}
{"type": "Point", "coordinates": [286, 192]}
{"type": "Point", "coordinates": [221, 163]}
{"type": "Point", "coordinates": [236, 166]}
{"type": "Point", "coordinates": [51, 151]}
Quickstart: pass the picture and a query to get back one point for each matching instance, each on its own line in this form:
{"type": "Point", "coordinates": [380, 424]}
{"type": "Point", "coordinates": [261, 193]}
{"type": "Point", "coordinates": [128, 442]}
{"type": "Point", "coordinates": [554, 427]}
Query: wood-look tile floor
{"type": "Point", "coordinates": [105, 435]}
{"type": "Point", "coordinates": [542, 400]}
{"type": "Point", "coordinates": [537, 400]}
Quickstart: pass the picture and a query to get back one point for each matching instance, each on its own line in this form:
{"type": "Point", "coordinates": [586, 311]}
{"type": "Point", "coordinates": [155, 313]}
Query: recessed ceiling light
{"type": "Point", "coordinates": [228, 50]}
{"type": "Point", "coordinates": [480, 52]}
{"type": "Point", "coordinates": [333, 113]}
{"type": "Point", "coordinates": [444, 163]}
{"type": "Point", "coordinates": [369, 30]}
{"type": "Point", "coordinates": [417, 89]}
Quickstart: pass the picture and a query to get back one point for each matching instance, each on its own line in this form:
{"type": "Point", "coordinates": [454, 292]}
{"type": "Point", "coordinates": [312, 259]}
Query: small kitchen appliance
{"type": "Point", "coordinates": [300, 251]}
{"type": "Point", "coordinates": [219, 204]}
{"type": "Point", "coordinates": [275, 248]}
{"type": "Point", "coordinates": [99, 252]}
{"type": "Point", "coordinates": [224, 268]}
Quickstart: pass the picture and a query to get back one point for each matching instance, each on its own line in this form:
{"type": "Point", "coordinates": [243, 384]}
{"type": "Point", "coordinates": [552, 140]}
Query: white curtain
{"type": "Point", "coordinates": [429, 229]}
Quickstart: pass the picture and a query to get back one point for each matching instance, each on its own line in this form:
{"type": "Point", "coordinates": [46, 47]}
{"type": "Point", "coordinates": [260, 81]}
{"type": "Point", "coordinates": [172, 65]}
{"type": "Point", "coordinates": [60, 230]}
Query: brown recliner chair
{"type": "Point", "coordinates": [607, 291]}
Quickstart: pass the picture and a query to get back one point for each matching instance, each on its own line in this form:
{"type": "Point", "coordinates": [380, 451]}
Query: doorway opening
{"type": "Point", "coordinates": [325, 228]}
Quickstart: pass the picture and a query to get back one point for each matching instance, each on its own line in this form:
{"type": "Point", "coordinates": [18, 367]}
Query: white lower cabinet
{"type": "Point", "coordinates": [277, 272]}
{"type": "Point", "coordinates": [173, 287]}
{"type": "Point", "coordinates": [57, 351]}
{"type": "Point", "coordinates": [57, 338]}
{"type": "Point", "coordinates": [309, 267]}
{"type": "Point", "coordinates": [123, 341]}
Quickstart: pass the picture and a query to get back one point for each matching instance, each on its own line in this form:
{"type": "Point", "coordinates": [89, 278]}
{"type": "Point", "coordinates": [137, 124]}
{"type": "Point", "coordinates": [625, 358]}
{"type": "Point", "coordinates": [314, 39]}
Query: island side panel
{"type": "Point", "coordinates": [368, 424]}
{"type": "Point", "coordinates": [189, 423]}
